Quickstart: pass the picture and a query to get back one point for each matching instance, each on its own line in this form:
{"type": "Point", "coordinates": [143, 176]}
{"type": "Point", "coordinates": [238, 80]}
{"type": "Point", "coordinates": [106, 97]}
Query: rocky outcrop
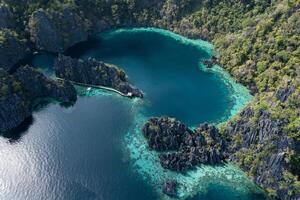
{"type": "Point", "coordinates": [165, 134]}
{"type": "Point", "coordinates": [12, 49]}
{"type": "Point", "coordinates": [211, 62]}
{"type": "Point", "coordinates": [189, 148]}
{"type": "Point", "coordinates": [6, 17]}
{"type": "Point", "coordinates": [44, 34]}
{"type": "Point", "coordinates": [94, 72]}
{"type": "Point", "coordinates": [39, 86]}
{"type": "Point", "coordinates": [261, 148]}
{"type": "Point", "coordinates": [19, 92]}
{"type": "Point", "coordinates": [282, 94]}
{"type": "Point", "coordinates": [265, 129]}
{"type": "Point", "coordinates": [14, 105]}
{"type": "Point", "coordinates": [170, 188]}
{"type": "Point", "coordinates": [57, 31]}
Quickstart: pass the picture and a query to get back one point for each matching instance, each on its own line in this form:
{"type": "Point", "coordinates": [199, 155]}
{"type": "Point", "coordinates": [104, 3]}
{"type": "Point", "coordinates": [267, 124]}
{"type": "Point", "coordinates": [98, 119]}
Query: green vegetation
{"type": "Point", "coordinates": [258, 42]}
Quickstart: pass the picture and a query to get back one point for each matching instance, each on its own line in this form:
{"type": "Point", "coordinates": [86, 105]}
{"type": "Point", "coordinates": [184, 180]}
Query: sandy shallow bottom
{"type": "Point", "coordinates": [146, 163]}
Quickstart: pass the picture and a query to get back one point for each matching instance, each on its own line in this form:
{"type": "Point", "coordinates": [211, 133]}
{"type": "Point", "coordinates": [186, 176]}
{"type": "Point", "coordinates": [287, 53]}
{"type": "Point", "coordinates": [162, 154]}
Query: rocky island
{"type": "Point", "coordinates": [188, 148]}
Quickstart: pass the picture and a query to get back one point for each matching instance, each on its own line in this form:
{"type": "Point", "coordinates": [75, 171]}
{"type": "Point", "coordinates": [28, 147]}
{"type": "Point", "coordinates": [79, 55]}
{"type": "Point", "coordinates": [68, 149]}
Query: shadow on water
{"type": "Point", "coordinates": [15, 134]}
{"type": "Point", "coordinates": [80, 48]}
{"type": "Point", "coordinates": [40, 104]}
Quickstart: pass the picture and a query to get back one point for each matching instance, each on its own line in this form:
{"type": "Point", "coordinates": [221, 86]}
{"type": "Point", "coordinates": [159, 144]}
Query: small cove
{"type": "Point", "coordinates": [95, 149]}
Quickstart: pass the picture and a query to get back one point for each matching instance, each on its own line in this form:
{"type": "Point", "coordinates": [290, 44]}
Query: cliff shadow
{"type": "Point", "coordinates": [15, 134]}
{"type": "Point", "coordinates": [80, 48]}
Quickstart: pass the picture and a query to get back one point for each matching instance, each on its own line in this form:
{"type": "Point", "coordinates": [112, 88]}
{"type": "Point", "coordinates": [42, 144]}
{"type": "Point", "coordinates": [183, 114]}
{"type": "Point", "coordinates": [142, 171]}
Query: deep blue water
{"type": "Point", "coordinates": [81, 152]}
{"type": "Point", "coordinates": [168, 72]}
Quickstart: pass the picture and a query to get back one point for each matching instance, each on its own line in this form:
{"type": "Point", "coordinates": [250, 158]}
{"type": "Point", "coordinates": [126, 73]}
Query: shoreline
{"type": "Point", "coordinates": [146, 161]}
{"type": "Point", "coordinates": [196, 181]}
{"type": "Point", "coordinates": [240, 94]}
{"type": "Point", "coordinates": [152, 165]}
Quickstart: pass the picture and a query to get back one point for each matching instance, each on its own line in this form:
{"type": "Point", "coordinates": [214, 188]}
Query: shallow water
{"type": "Point", "coordinates": [95, 149]}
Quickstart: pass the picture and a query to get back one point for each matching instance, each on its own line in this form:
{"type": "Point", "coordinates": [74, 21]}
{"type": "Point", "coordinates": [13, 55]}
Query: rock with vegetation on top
{"type": "Point", "coordinates": [39, 86]}
{"type": "Point", "coordinates": [56, 31]}
{"type": "Point", "coordinates": [12, 49]}
{"type": "Point", "coordinates": [14, 104]}
{"type": "Point", "coordinates": [188, 148]}
{"type": "Point", "coordinates": [283, 93]}
{"type": "Point", "coordinates": [19, 92]}
{"type": "Point", "coordinates": [165, 134]}
{"type": "Point", "coordinates": [255, 145]}
{"type": "Point", "coordinates": [93, 72]}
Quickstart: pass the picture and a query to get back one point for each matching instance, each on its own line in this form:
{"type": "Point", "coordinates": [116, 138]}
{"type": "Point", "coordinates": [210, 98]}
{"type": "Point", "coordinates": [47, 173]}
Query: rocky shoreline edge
{"type": "Point", "coordinates": [23, 89]}
{"type": "Point", "coordinates": [182, 149]}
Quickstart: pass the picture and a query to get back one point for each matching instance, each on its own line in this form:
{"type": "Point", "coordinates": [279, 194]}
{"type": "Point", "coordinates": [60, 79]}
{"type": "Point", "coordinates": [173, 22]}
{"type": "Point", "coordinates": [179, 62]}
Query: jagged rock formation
{"type": "Point", "coordinates": [94, 72]}
{"type": "Point", "coordinates": [189, 148]}
{"type": "Point", "coordinates": [57, 31]}
{"type": "Point", "coordinates": [12, 49]}
{"type": "Point", "coordinates": [20, 91]}
{"type": "Point", "coordinates": [39, 86]}
{"type": "Point", "coordinates": [14, 105]}
{"type": "Point", "coordinates": [283, 93]}
{"type": "Point", "coordinates": [255, 146]}
{"type": "Point", "coordinates": [6, 17]}
{"type": "Point", "coordinates": [165, 134]}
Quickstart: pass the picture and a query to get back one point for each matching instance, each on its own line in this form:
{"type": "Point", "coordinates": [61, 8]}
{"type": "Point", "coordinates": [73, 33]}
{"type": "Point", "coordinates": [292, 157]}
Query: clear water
{"type": "Point", "coordinates": [95, 149]}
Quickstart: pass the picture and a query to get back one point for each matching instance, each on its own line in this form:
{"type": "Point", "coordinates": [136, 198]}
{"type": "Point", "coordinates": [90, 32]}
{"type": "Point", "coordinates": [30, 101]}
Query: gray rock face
{"type": "Point", "coordinates": [57, 31]}
{"type": "Point", "coordinates": [256, 133]}
{"type": "Point", "coordinates": [12, 49]}
{"type": "Point", "coordinates": [20, 90]}
{"type": "Point", "coordinates": [283, 93]}
{"type": "Point", "coordinates": [165, 134]}
{"type": "Point", "coordinates": [14, 106]}
{"type": "Point", "coordinates": [189, 148]}
{"type": "Point", "coordinates": [39, 86]}
{"type": "Point", "coordinates": [44, 33]}
{"type": "Point", "coordinates": [94, 72]}
{"type": "Point", "coordinates": [6, 17]}
{"type": "Point", "coordinates": [268, 142]}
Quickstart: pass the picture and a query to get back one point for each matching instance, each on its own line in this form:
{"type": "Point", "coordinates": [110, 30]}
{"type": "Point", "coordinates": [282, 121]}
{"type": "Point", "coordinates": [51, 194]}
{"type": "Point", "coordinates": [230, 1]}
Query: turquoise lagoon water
{"type": "Point", "coordinates": [95, 149]}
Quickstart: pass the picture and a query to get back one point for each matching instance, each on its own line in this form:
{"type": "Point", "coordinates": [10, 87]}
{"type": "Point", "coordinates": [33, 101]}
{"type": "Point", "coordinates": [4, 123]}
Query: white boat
{"type": "Point", "coordinates": [89, 88]}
